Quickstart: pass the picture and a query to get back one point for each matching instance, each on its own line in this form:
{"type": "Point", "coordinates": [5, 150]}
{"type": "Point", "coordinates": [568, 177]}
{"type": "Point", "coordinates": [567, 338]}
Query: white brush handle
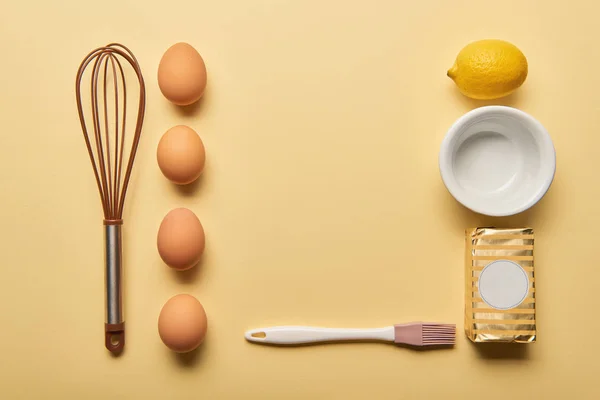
{"type": "Point", "coordinates": [309, 334]}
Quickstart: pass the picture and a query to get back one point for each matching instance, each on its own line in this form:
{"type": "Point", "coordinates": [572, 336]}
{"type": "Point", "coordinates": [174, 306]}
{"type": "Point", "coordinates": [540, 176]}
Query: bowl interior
{"type": "Point", "coordinates": [498, 163]}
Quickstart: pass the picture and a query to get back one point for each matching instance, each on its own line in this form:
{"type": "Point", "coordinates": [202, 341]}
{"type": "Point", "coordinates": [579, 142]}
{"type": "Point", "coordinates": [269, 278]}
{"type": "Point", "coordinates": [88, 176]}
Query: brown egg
{"type": "Point", "coordinates": [180, 239]}
{"type": "Point", "coordinates": [182, 323]}
{"type": "Point", "coordinates": [182, 74]}
{"type": "Point", "coordinates": [181, 155]}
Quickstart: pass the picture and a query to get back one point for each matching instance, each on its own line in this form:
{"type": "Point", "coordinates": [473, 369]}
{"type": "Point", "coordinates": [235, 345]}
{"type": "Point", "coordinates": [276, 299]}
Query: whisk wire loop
{"type": "Point", "coordinates": [112, 181]}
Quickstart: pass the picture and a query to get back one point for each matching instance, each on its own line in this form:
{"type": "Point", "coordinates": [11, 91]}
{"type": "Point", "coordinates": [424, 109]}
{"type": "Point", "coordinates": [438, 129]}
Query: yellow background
{"type": "Point", "coordinates": [321, 199]}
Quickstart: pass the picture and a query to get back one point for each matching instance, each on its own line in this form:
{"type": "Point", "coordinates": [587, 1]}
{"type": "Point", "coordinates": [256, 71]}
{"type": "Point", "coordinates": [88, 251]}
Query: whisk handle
{"type": "Point", "coordinates": [114, 328]}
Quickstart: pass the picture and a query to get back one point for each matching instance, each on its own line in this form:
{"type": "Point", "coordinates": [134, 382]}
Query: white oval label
{"type": "Point", "coordinates": [503, 284]}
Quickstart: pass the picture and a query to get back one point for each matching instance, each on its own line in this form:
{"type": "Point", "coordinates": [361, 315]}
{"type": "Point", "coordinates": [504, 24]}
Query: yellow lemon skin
{"type": "Point", "coordinates": [489, 69]}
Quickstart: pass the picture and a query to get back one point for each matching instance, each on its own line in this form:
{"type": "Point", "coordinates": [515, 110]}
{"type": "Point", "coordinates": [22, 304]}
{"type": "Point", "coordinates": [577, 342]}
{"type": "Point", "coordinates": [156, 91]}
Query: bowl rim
{"type": "Point", "coordinates": [544, 141]}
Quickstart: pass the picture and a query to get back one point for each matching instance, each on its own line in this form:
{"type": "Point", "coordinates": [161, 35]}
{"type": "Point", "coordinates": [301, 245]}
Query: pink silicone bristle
{"type": "Point", "coordinates": [438, 334]}
{"type": "Point", "coordinates": [425, 334]}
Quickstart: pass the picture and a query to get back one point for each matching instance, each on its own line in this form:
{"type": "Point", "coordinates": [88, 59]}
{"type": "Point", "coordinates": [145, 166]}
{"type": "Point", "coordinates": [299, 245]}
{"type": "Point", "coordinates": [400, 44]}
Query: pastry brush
{"type": "Point", "coordinates": [412, 334]}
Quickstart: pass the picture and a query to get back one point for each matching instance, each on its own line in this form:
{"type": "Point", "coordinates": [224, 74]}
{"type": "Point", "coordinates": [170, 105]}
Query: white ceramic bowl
{"type": "Point", "coordinates": [497, 160]}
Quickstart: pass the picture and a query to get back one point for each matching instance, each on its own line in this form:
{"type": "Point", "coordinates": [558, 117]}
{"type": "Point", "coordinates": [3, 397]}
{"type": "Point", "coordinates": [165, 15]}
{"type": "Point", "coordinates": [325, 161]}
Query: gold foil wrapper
{"type": "Point", "coordinates": [482, 322]}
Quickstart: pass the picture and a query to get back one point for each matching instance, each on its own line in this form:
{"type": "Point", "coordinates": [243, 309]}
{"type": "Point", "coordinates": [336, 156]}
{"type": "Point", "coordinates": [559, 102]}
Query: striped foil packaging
{"type": "Point", "coordinates": [482, 322]}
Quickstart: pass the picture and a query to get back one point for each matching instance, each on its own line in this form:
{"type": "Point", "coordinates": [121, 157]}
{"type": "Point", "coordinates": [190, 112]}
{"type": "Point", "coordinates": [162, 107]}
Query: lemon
{"type": "Point", "coordinates": [489, 69]}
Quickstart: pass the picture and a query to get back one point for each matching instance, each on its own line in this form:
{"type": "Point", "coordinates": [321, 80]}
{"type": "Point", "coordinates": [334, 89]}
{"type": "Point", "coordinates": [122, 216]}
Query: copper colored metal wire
{"type": "Point", "coordinates": [107, 168]}
{"type": "Point", "coordinates": [112, 160]}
